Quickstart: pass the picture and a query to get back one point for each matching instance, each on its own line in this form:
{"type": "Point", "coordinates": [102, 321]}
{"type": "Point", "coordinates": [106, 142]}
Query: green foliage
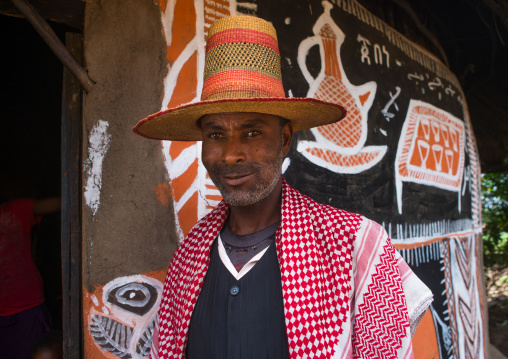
{"type": "Point", "coordinates": [495, 219]}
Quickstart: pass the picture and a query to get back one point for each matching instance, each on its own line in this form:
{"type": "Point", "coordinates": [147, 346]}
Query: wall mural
{"type": "Point", "coordinates": [405, 156]}
{"type": "Point", "coordinates": [409, 159]}
{"type": "Point", "coordinates": [121, 315]}
{"type": "Point", "coordinates": [431, 150]}
{"type": "Point", "coordinates": [338, 147]}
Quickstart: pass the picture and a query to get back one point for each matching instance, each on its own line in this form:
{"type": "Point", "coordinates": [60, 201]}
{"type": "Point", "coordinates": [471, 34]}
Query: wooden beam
{"type": "Point", "coordinates": [68, 12]}
{"type": "Point", "coordinates": [71, 206]}
{"type": "Point", "coordinates": [54, 43]}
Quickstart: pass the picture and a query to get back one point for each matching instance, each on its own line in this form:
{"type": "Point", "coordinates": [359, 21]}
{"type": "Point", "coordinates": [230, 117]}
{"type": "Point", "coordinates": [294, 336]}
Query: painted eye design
{"type": "Point", "coordinates": [134, 297]}
{"type": "Point", "coordinates": [126, 326]}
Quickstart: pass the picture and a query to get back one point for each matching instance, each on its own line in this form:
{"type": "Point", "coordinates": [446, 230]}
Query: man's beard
{"type": "Point", "coordinates": [264, 185]}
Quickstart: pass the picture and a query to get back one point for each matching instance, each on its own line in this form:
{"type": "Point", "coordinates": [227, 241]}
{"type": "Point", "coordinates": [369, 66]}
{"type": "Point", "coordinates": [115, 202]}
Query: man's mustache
{"type": "Point", "coordinates": [236, 169]}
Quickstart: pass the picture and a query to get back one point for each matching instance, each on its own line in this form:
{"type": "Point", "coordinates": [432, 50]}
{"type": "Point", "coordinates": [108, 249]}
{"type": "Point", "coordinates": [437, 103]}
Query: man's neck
{"type": "Point", "coordinates": [253, 218]}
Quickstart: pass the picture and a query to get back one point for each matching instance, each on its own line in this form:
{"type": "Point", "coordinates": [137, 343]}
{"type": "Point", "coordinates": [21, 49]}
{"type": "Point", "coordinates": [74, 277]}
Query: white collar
{"type": "Point", "coordinates": [227, 262]}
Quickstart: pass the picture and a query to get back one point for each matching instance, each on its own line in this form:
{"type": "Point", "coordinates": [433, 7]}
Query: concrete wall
{"type": "Point", "coordinates": [127, 217]}
{"type": "Point", "coordinates": [405, 157]}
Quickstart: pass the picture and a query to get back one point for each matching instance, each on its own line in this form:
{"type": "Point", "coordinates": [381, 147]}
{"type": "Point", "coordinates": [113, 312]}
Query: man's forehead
{"type": "Point", "coordinates": [238, 119]}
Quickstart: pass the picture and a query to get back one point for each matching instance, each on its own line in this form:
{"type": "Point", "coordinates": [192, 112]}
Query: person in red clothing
{"type": "Point", "coordinates": [23, 316]}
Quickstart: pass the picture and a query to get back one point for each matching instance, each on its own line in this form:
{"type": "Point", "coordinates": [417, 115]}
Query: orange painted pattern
{"type": "Point", "coordinates": [184, 22]}
{"type": "Point", "coordinates": [433, 148]}
{"type": "Point", "coordinates": [184, 30]}
{"type": "Point", "coordinates": [163, 4]}
{"type": "Point", "coordinates": [425, 344]}
{"type": "Point", "coordinates": [481, 294]}
{"type": "Point", "coordinates": [339, 147]}
{"type": "Point", "coordinates": [347, 132]}
{"type": "Point", "coordinates": [163, 193]}
{"type": "Point", "coordinates": [344, 161]}
{"type": "Point", "coordinates": [183, 93]}
{"type": "Point", "coordinates": [467, 305]}
{"type": "Point", "coordinates": [188, 214]}
{"type": "Point", "coordinates": [436, 147]}
{"type": "Point", "coordinates": [401, 246]}
{"type": "Point", "coordinates": [177, 147]}
{"type": "Point", "coordinates": [181, 183]}
{"type": "Point", "coordinates": [214, 10]}
{"type": "Point", "coordinates": [210, 189]}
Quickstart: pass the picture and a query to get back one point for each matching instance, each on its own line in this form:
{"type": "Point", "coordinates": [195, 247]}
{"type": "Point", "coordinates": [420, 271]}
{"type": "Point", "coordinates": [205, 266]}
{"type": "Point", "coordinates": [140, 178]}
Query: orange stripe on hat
{"type": "Point", "coordinates": [241, 84]}
{"type": "Point", "coordinates": [242, 35]}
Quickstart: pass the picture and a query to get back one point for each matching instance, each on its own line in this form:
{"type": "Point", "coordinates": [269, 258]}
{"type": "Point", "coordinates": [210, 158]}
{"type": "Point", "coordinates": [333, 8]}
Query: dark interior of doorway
{"type": "Point", "coordinates": [30, 125]}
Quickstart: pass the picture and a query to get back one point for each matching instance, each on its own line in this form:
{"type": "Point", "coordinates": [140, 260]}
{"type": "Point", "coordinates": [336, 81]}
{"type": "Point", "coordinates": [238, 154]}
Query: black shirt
{"type": "Point", "coordinates": [239, 319]}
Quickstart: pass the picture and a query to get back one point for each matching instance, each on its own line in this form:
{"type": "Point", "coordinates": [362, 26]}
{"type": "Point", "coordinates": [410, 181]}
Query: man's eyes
{"type": "Point", "coordinates": [215, 135]}
{"type": "Point", "coordinates": [252, 133]}
{"type": "Point", "coordinates": [220, 135]}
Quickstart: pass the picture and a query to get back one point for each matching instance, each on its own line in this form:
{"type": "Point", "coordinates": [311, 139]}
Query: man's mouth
{"type": "Point", "coordinates": [236, 179]}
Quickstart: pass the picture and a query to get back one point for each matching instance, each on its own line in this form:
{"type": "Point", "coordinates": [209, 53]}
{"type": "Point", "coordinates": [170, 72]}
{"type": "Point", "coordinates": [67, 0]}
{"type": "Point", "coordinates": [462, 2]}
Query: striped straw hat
{"type": "Point", "coordinates": [242, 74]}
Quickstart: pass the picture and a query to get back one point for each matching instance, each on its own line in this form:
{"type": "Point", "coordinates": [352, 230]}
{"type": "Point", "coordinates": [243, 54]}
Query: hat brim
{"type": "Point", "coordinates": [180, 123]}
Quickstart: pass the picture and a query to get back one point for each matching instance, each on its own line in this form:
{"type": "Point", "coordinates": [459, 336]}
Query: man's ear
{"type": "Point", "coordinates": [287, 135]}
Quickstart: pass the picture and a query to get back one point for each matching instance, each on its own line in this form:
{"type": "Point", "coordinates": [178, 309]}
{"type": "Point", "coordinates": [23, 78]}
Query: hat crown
{"type": "Point", "coordinates": [242, 74]}
{"type": "Point", "coordinates": [242, 60]}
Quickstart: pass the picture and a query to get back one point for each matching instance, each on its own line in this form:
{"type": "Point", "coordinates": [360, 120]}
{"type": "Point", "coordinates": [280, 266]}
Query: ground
{"type": "Point", "coordinates": [497, 293]}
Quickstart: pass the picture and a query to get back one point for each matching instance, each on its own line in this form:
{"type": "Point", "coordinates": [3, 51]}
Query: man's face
{"type": "Point", "coordinates": [243, 154]}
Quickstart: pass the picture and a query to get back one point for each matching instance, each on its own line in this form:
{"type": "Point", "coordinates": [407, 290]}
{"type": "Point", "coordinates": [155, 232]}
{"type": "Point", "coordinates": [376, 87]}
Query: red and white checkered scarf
{"type": "Point", "coordinates": [322, 302]}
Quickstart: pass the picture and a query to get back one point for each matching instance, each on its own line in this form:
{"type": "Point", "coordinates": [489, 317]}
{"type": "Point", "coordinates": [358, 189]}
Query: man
{"type": "Point", "coordinates": [270, 273]}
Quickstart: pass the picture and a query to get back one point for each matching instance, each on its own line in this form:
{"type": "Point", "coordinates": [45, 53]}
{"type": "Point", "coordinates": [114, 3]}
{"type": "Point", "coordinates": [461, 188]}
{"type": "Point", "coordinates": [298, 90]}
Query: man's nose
{"type": "Point", "coordinates": [233, 151]}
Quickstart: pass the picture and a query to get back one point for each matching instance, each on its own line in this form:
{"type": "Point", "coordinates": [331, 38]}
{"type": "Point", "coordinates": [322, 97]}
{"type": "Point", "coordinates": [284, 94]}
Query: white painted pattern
{"type": "Point", "coordinates": [414, 233]}
{"type": "Point", "coordinates": [99, 141]}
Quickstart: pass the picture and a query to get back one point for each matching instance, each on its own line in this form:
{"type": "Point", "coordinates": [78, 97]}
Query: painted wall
{"type": "Point", "coordinates": [128, 230]}
{"type": "Point", "coordinates": [405, 156]}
